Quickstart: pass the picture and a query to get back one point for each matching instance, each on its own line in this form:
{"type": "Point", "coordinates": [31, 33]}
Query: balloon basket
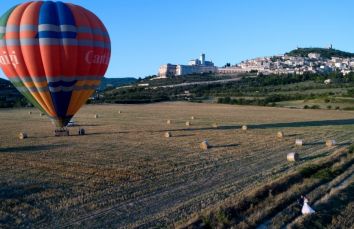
{"type": "Point", "coordinates": [61, 132]}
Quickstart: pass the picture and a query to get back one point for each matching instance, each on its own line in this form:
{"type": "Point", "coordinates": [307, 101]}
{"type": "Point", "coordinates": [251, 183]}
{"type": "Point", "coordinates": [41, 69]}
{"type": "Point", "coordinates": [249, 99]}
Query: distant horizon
{"type": "Point", "coordinates": [121, 77]}
{"type": "Point", "coordinates": [145, 36]}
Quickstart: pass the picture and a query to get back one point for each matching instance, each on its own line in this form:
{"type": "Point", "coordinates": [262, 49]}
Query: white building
{"type": "Point", "coordinates": [314, 55]}
{"type": "Point", "coordinates": [195, 66]}
{"type": "Point", "coordinates": [167, 70]}
{"type": "Point", "coordinates": [231, 70]}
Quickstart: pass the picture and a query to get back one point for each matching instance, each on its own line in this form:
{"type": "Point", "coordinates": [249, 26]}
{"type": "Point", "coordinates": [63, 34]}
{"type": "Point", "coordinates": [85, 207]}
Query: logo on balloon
{"type": "Point", "coordinates": [92, 58]}
{"type": "Point", "coordinates": [9, 59]}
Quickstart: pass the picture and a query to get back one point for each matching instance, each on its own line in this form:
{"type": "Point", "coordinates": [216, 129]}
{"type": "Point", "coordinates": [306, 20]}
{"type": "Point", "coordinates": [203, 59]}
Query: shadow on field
{"type": "Point", "coordinates": [86, 125]}
{"type": "Point", "coordinates": [95, 133]}
{"type": "Point", "coordinates": [183, 135]}
{"type": "Point", "coordinates": [314, 143]}
{"type": "Point", "coordinates": [293, 135]}
{"type": "Point", "coordinates": [344, 144]}
{"type": "Point", "coordinates": [339, 122]}
{"type": "Point", "coordinates": [225, 146]}
{"type": "Point", "coordinates": [309, 158]}
{"type": "Point", "coordinates": [19, 191]}
{"type": "Point", "coordinates": [28, 149]}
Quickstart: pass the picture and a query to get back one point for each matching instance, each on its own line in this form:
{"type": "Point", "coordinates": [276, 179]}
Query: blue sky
{"type": "Point", "coordinates": [148, 33]}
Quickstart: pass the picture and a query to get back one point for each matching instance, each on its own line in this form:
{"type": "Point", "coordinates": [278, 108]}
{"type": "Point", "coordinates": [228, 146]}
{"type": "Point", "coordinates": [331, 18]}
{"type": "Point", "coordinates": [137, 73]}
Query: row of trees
{"type": "Point", "coordinates": [268, 86]}
{"type": "Point", "coordinates": [268, 100]}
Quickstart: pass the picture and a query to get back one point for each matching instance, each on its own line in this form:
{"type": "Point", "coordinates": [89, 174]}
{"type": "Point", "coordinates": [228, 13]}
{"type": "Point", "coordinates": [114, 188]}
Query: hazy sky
{"type": "Point", "coordinates": [148, 33]}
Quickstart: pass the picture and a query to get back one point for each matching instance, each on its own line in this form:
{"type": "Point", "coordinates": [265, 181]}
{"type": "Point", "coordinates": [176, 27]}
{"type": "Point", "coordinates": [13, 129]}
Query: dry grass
{"type": "Point", "coordinates": [276, 201]}
{"type": "Point", "coordinates": [122, 173]}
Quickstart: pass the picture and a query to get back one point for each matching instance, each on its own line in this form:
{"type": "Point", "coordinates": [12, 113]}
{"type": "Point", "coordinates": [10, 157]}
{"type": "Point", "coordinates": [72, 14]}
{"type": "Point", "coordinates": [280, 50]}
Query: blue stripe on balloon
{"type": "Point", "coordinates": [61, 102]}
{"type": "Point", "coordinates": [57, 13]}
{"type": "Point", "coordinates": [65, 15]}
{"type": "Point", "coordinates": [51, 34]}
{"type": "Point", "coordinates": [48, 13]}
{"type": "Point", "coordinates": [62, 83]}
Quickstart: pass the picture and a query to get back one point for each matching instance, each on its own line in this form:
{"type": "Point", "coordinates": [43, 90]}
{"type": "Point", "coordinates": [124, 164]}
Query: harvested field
{"type": "Point", "coordinates": [276, 204]}
{"type": "Point", "coordinates": [124, 173]}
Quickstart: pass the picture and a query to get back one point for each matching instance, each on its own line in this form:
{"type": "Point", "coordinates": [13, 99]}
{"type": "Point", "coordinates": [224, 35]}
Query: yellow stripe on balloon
{"type": "Point", "coordinates": [48, 101]}
{"type": "Point", "coordinates": [35, 84]}
{"type": "Point", "coordinates": [78, 98]}
{"type": "Point", "coordinates": [40, 99]}
{"type": "Point", "coordinates": [88, 82]}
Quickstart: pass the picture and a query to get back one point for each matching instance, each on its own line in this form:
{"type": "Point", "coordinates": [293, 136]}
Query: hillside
{"type": "Point", "coordinates": [4, 83]}
{"type": "Point", "coordinates": [300, 91]}
{"type": "Point", "coordinates": [326, 53]}
{"type": "Point", "coordinates": [115, 82]}
{"type": "Point", "coordinates": [9, 96]}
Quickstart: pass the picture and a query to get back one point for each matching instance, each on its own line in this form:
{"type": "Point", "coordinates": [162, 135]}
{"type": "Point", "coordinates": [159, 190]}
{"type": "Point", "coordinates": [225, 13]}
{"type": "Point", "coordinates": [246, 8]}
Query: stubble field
{"type": "Point", "coordinates": [125, 173]}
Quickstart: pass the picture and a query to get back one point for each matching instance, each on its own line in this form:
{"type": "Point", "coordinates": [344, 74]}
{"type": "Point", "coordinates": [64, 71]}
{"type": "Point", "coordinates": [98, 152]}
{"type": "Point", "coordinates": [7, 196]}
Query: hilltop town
{"type": "Point", "coordinates": [299, 61]}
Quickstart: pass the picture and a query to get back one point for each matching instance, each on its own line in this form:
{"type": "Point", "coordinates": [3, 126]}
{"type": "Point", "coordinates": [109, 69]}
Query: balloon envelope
{"type": "Point", "coordinates": [55, 54]}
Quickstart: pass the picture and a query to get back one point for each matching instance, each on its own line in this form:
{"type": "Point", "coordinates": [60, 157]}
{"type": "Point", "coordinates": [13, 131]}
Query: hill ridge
{"type": "Point", "coordinates": [325, 52]}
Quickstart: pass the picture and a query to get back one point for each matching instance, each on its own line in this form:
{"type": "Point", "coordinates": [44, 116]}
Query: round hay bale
{"type": "Point", "coordinates": [22, 135]}
{"type": "Point", "coordinates": [330, 143]}
{"type": "Point", "coordinates": [81, 131]}
{"type": "Point", "coordinates": [299, 142]}
{"type": "Point", "coordinates": [96, 116]}
{"type": "Point", "coordinates": [168, 134]}
{"type": "Point", "coordinates": [168, 122]}
{"type": "Point", "coordinates": [188, 123]}
{"type": "Point", "coordinates": [119, 112]}
{"type": "Point", "coordinates": [244, 127]}
{"type": "Point", "coordinates": [30, 112]}
{"type": "Point", "coordinates": [215, 125]}
{"type": "Point", "coordinates": [292, 157]}
{"type": "Point", "coordinates": [192, 117]}
{"type": "Point", "coordinates": [204, 145]}
{"type": "Point", "coordinates": [280, 134]}
{"type": "Point", "coordinates": [41, 114]}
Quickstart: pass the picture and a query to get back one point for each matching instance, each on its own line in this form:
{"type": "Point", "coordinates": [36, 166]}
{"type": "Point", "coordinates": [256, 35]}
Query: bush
{"type": "Point", "coordinates": [324, 174]}
{"type": "Point", "coordinates": [329, 107]}
{"type": "Point", "coordinates": [351, 149]}
{"type": "Point", "coordinates": [207, 222]}
{"type": "Point", "coordinates": [222, 217]}
{"type": "Point", "coordinates": [315, 107]}
{"type": "Point", "coordinates": [306, 107]}
{"type": "Point", "coordinates": [308, 170]}
{"type": "Point", "coordinates": [350, 92]}
{"type": "Point", "coordinates": [348, 108]}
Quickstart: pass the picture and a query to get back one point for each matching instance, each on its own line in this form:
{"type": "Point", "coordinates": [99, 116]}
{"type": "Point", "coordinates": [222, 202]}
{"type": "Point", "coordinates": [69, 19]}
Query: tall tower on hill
{"type": "Point", "coordinates": [202, 59]}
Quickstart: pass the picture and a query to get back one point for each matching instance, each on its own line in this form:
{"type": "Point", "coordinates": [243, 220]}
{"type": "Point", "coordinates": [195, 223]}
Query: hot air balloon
{"type": "Point", "coordinates": [55, 54]}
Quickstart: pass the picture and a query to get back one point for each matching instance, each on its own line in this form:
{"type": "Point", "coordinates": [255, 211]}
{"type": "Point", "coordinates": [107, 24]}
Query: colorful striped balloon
{"type": "Point", "coordinates": [55, 54]}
